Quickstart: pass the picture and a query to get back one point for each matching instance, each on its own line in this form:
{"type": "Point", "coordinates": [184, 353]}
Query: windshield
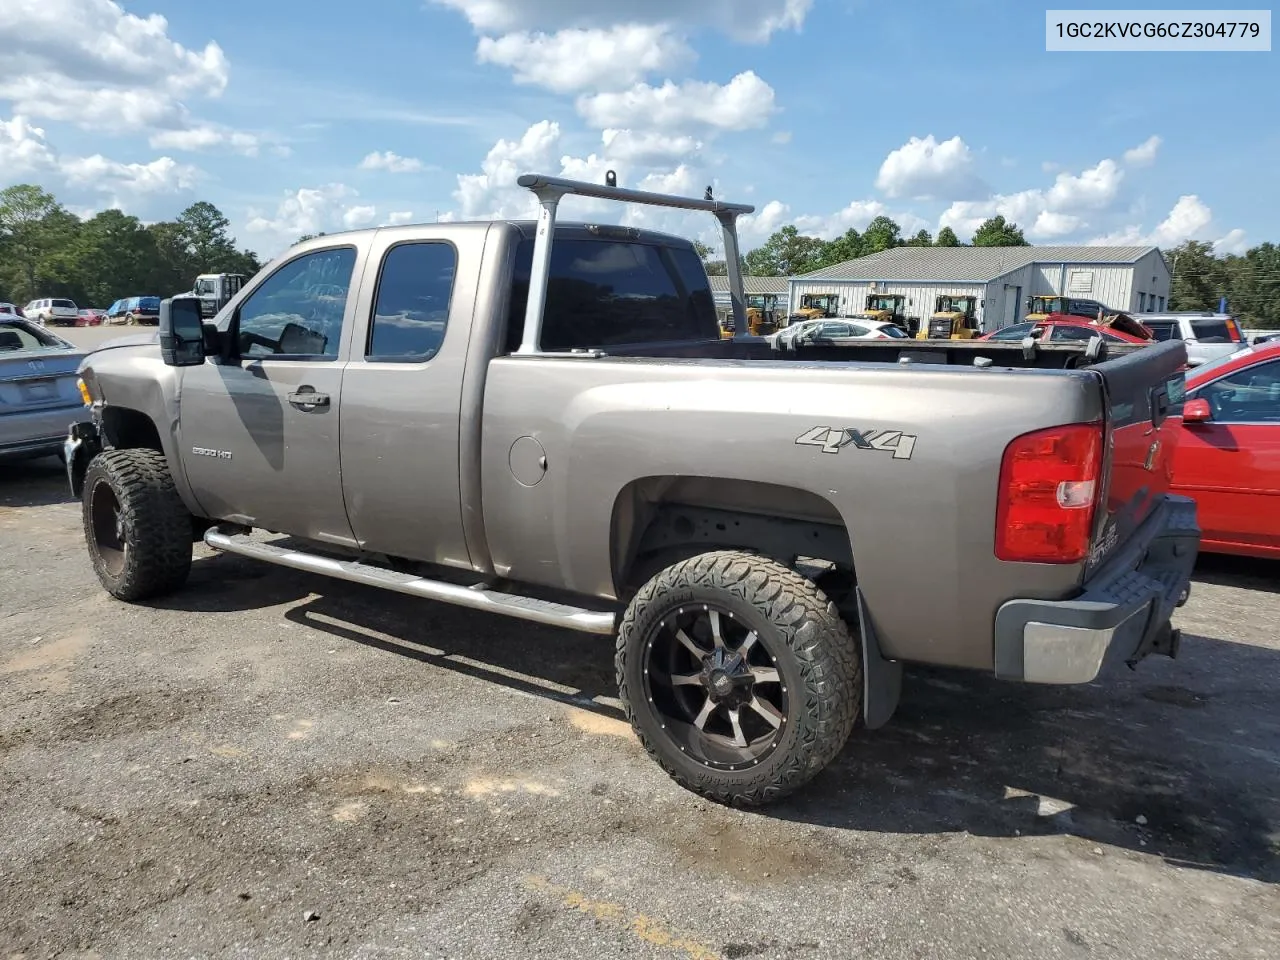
{"type": "Point", "coordinates": [204, 287]}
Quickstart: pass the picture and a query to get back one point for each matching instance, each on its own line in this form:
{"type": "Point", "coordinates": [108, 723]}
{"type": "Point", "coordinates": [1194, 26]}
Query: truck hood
{"type": "Point", "coordinates": [131, 340]}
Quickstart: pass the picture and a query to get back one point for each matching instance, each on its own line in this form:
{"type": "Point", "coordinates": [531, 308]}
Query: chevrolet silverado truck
{"type": "Point", "coordinates": [541, 420]}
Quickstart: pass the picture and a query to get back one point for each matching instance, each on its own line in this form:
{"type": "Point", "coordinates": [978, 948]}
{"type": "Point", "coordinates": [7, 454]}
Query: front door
{"type": "Point", "coordinates": [1231, 463]}
{"type": "Point", "coordinates": [259, 433]}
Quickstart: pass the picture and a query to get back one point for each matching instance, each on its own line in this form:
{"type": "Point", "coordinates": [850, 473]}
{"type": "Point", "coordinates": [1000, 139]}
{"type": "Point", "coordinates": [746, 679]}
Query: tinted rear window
{"type": "Point", "coordinates": [16, 335]}
{"type": "Point", "coordinates": [609, 292]}
{"type": "Point", "coordinates": [63, 303]}
{"type": "Point", "coordinates": [1160, 329]}
{"type": "Point", "coordinates": [149, 303]}
{"type": "Point", "coordinates": [1211, 330]}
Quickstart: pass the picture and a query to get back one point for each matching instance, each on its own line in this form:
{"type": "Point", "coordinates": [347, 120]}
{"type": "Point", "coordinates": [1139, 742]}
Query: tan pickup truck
{"type": "Point", "coordinates": [541, 420]}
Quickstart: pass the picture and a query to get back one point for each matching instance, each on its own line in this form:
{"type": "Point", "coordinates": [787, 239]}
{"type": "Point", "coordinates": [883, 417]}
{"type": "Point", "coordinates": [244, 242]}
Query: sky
{"type": "Point", "coordinates": [300, 116]}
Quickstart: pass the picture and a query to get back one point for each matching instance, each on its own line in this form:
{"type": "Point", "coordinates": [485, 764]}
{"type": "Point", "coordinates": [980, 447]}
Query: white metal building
{"type": "Point", "coordinates": [752, 286]}
{"type": "Point", "coordinates": [1122, 278]}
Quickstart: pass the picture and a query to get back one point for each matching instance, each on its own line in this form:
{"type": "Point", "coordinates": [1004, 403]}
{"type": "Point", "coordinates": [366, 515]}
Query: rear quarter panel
{"type": "Point", "coordinates": [921, 529]}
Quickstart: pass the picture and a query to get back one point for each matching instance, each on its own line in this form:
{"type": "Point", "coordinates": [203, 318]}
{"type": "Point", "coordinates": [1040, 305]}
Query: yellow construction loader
{"type": "Point", "coordinates": [954, 318]}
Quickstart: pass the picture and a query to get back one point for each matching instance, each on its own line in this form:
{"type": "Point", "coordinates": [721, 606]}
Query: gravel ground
{"type": "Point", "coordinates": [271, 764]}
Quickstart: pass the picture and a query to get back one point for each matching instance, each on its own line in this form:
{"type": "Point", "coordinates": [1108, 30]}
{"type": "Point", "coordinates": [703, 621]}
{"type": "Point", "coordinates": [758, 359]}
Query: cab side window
{"type": "Point", "coordinates": [1251, 395]}
{"type": "Point", "coordinates": [297, 312]}
{"type": "Point", "coordinates": [411, 309]}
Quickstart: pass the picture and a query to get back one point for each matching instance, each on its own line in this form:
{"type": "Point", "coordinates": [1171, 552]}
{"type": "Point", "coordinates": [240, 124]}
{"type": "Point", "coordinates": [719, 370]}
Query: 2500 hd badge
{"type": "Point", "coordinates": [210, 452]}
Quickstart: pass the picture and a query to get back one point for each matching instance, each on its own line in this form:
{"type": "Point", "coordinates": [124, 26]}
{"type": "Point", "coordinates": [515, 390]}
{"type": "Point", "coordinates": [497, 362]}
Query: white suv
{"type": "Point", "coordinates": [1208, 336]}
{"type": "Point", "coordinates": [51, 311]}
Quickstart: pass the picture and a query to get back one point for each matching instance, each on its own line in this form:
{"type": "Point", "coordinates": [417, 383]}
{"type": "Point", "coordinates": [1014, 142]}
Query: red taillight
{"type": "Point", "coordinates": [1048, 492]}
{"type": "Point", "coordinates": [1233, 331]}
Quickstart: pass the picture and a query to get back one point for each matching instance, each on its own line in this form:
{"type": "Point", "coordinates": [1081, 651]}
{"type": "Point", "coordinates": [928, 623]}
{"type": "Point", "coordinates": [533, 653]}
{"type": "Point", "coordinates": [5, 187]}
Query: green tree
{"type": "Point", "coordinates": [921, 239]}
{"type": "Point", "coordinates": [847, 246]}
{"type": "Point", "coordinates": [113, 256]}
{"type": "Point", "coordinates": [947, 238]}
{"type": "Point", "coordinates": [881, 234]}
{"type": "Point", "coordinates": [32, 223]}
{"type": "Point", "coordinates": [996, 232]}
{"type": "Point", "coordinates": [1199, 278]}
{"type": "Point", "coordinates": [785, 254]}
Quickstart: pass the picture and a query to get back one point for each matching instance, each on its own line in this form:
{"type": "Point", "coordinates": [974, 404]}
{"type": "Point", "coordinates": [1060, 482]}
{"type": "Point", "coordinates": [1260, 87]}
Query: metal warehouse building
{"type": "Point", "coordinates": [752, 287]}
{"type": "Point", "coordinates": [1122, 278]}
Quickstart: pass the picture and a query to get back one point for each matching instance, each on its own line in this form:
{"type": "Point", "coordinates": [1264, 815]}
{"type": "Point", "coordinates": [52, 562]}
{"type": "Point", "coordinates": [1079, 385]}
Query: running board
{"type": "Point", "coordinates": [475, 598]}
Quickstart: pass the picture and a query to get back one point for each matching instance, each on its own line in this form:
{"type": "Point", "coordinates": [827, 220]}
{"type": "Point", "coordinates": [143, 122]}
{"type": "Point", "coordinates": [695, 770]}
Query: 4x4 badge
{"type": "Point", "coordinates": [833, 440]}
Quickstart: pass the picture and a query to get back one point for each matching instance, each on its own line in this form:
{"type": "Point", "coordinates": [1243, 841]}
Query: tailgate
{"type": "Point", "coordinates": [1143, 392]}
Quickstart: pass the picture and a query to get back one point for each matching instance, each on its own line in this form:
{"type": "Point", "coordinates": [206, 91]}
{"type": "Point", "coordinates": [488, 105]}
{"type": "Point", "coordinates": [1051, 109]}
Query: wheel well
{"type": "Point", "coordinates": [128, 429]}
{"type": "Point", "coordinates": [658, 521]}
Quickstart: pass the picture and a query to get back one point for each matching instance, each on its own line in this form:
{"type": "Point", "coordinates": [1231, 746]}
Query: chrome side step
{"type": "Point", "coordinates": [475, 597]}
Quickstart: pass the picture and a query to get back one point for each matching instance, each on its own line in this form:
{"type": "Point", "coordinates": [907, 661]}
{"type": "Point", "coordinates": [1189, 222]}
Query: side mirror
{"type": "Point", "coordinates": [182, 336]}
{"type": "Point", "coordinates": [1196, 411]}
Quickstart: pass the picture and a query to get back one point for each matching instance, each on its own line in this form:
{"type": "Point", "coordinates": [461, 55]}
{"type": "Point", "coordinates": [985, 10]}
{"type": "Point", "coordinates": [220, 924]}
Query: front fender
{"type": "Point", "coordinates": [83, 443]}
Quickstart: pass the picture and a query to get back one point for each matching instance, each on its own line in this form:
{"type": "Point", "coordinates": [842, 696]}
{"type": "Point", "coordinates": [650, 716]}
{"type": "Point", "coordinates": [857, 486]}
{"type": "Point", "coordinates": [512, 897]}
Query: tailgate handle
{"type": "Point", "coordinates": [309, 398]}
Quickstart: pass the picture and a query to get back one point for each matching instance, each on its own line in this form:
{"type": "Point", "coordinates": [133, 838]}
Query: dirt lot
{"type": "Point", "coordinates": [199, 777]}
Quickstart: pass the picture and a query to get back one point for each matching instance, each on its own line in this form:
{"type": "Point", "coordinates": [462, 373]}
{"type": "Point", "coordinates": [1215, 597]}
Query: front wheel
{"type": "Point", "coordinates": [136, 527]}
{"type": "Point", "coordinates": [739, 676]}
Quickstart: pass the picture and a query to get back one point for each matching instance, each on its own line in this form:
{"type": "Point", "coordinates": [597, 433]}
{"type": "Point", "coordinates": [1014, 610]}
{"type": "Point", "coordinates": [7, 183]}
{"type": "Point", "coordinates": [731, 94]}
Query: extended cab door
{"type": "Point", "coordinates": [402, 395]}
{"type": "Point", "coordinates": [1231, 464]}
{"type": "Point", "coordinates": [259, 432]}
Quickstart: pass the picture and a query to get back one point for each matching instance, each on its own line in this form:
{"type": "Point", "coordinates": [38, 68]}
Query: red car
{"type": "Point", "coordinates": [1228, 454]}
{"type": "Point", "coordinates": [89, 317]}
{"type": "Point", "coordinates": [1064, 327]}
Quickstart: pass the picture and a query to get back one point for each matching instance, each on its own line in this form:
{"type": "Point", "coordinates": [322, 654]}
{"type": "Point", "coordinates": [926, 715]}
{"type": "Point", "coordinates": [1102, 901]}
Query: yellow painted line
{"type": "Point", "coordinates": [645, 928]}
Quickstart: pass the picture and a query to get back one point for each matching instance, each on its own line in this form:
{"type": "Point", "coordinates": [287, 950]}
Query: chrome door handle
{"type": "Point", "coordinates": [309, 398]}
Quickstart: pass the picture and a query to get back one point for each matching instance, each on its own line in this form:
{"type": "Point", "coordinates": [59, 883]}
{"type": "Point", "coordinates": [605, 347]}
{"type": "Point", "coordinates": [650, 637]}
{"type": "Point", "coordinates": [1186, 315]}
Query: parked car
{"type": "Point", "coordinates": [1228, 454]}
{"type": "Point", "coordinates": [10, 310]}
{"type": "Point", "coordinates": [838, 329]}
{"type": "Point", "coordinates": [89, 317]}
{"type": "Point", "coordinates": [597, 457]}
{"type": "Point", "coordinates": [1062, 328]}
{"type": "Point", "coordinates": [134, 310]}
{"type": "Point", "coordinates": [52, 311]}
{"type": "Point", "coordinates": [1208, 336]}
{"type": "Point", "coordinates": [39, 396]}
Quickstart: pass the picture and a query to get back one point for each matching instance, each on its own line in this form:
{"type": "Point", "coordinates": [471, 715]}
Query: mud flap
{"type": "Point", "coordinates": [881, 678]}
{"type": "Point", "coordinates": [83, 443]}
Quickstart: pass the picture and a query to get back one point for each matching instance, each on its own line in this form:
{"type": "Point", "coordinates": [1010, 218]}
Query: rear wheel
{"type": "Point", "coordinates": [738, 675]}
{"type": "Point", "coordinates": [136, 527]}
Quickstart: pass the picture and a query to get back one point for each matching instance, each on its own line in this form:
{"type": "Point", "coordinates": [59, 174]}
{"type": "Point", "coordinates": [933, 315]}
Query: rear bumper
{"type": "Point", "coordinates": [1123, 612]}
{"type": "Point", "coordinates": [37, 432]}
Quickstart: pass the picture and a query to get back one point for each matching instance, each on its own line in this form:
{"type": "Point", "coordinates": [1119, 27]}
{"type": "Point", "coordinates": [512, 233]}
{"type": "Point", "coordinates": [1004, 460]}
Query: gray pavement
{"type": "Point", "coordinates": [199, 776]}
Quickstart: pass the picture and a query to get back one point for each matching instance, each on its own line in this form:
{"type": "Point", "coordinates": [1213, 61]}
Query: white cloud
{"type": "Point", "coordinates": [782, 137]}
{"type": "Point", "coordinates": [397, 217]}
{"type": "Point", "coordinates": [1233, 243]}
{"type": "Point", "coordinates": [594, 59]}
{"type": "Point", "coordinates": [493, 193]}
{"type": "Point", "coordinates": [1094, 189]}
{"type": "Point", "coordinates": [648, 147]}
{"type": "Point", "coordinates": [748, 20]}
{"type": "Point", "coordinates": [205, 137]}
{"type": "Point", "coordinates": [1144, 154]}
{"type": "Point", "coordinates": [1190, 219]}
{"type": "Point", "coordinates": [311, 210]}
{"type": "Point", "coordinates": [360, 216]}
{"type": "Point", "coordinates": [91, 63]}
{"type": "Point", "coordinates": [1050, 214]}
{"type": "Point", "coordinates": [926, 169]}
{"type": "Point", "coordinates": [23, 149]}
{"type": "Point", "coordinates": [391, 162]}
{"type": "Point", "coordinates": [755, 228]}
{"type": "Point", "coordinates": [745, 102]}
{"type": "Point", "coordinates": [162, 175]}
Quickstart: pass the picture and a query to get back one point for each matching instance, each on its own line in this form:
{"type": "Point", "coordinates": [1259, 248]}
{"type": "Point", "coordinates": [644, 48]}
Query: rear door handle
{"type": "Point", "coordinates": [309, 398]}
